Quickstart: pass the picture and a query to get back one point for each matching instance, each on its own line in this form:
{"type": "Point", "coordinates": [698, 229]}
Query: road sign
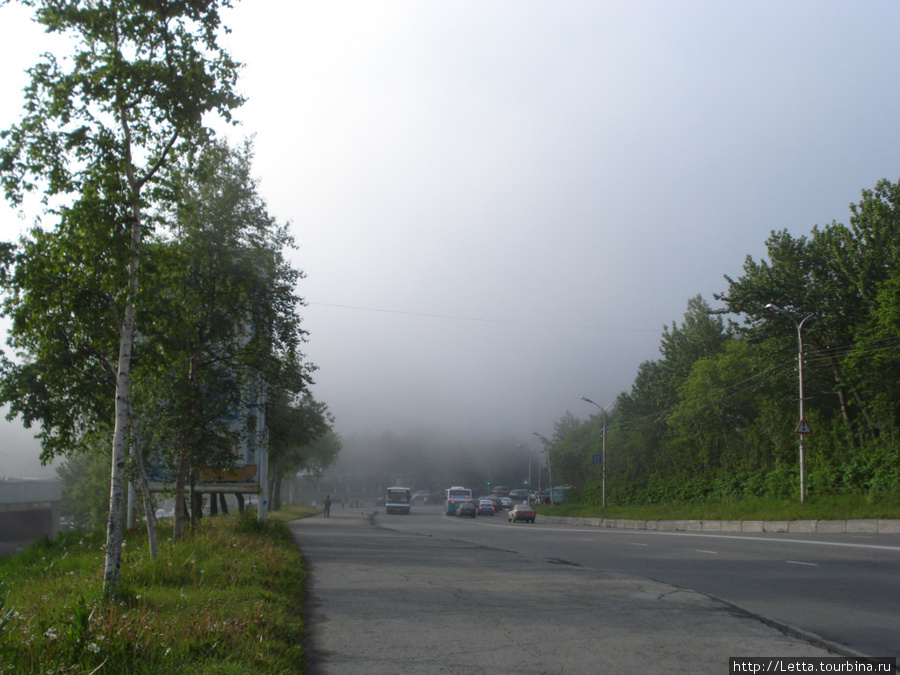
{"type": "Point", "coordinates": [803, 427]}
{"type": "Point", "coordinates": [597, 459]}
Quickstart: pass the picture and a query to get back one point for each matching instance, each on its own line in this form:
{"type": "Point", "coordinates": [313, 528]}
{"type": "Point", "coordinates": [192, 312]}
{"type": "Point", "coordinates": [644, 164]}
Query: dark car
{"type": "Point", "coordinates": [521, 512]}
{"type": "Point", "coordinates": [466, 510]}
{"type": "Point", "coordinates": [486, 507]}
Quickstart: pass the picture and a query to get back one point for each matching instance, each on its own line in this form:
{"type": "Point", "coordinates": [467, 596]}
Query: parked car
{"type": "Point", "coordinates": [521, 512]}
{"type": "Point", "coordinates": [486, 507]}
{"type": "Point", "coordinates": [466, 510]}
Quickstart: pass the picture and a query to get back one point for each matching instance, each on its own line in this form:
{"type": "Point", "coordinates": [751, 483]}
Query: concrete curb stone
{"type": "Point", "coordinates": [861, 526]}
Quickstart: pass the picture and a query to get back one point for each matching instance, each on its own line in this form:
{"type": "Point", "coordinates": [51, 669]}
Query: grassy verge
{"type": "Point", "coordinates": [228, 599]}
{"type": "Point", "coordinates": [816, 507]}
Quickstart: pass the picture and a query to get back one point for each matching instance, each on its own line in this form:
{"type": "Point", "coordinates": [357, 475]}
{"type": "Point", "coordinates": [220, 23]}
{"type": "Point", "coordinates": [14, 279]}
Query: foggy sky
{"type": "Point", "coordinates": [500, 205]}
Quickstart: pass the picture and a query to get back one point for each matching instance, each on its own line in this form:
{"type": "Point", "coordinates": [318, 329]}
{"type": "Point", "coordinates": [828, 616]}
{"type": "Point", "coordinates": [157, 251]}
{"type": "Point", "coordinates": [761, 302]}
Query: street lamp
{"type": "Point", "coordinates": [802, 428]}
{"type": "Point", "coordinates": [603, 455]}
{"type": "Point", "coordinates": [549, 470]}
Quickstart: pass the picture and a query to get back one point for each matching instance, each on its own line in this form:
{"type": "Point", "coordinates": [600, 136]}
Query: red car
{"type": "Point", "coordinates": [521, 512]}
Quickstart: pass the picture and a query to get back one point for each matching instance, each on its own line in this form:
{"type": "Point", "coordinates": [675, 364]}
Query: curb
{"type": "Point", "coordinates": [866, 526]}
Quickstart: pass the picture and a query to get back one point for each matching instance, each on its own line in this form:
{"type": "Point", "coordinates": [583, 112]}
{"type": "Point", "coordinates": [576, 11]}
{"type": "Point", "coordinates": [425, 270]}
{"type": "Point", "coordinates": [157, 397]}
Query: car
{"type": "Point", "coordinates": [506, 503]}
{"type": "Point", "coordinates": [496, 500]}
{"type": "Point", "coordinates": [466, 510]}
{"type": "Point", "coordinates": [521, 512]}
{"type": "Point", "coordinates": [486, 507]}
{"type": "Point", "coordinates": [518, 495]}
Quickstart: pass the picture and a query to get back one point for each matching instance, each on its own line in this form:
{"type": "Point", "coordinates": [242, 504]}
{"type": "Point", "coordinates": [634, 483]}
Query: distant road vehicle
{"type": "Point", "coordinates": [501, 490]}
{"type": "Point", "coordinates": [518, 495]}
{"type": "Point", "coordinates": [466, 510]}
{"type": "Point", "coordinates": [496, 500]}
{"type": "Point", "coordinates": [455, 496]}
{"type": "Point", "coordinates": [506, 503]}
{"type": "Point", "coordinates": [521, 512]}
{"type": "Point", "coordinates": [397, 500]}
{"type": "Point", "coordinates": [486, 507]}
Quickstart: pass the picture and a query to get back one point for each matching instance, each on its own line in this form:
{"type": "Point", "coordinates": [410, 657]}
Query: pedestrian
{"type": "Point", "coordinates": [327, 504]}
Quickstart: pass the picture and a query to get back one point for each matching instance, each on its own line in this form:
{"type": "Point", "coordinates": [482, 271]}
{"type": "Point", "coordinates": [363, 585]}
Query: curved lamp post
{"type": "Point", "coordinates": [802, 430]}
{"type": "Point", "coordinates": [549, 470]}
{"type": "Point", "coordinates": [602, 456]}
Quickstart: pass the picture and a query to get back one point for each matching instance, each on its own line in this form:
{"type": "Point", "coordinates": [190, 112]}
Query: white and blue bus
{"type": "Point", "coordinates": [456, 495]}
{"type": "Point", "coordinates": [398, 500]}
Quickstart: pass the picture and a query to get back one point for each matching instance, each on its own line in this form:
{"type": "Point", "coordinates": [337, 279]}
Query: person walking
{"type": "Point", "coordinates": [327, 504]}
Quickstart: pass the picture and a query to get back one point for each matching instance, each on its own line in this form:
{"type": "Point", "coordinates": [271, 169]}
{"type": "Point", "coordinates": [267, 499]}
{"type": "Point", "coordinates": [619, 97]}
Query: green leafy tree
{"type": "Point", "coordinates": [869, 258]}
{"type": "Point", "coordinates": [300, 439]}
{"type": "Point", "coordinates": [100, 126]}
{"type": "Point", "coordinates": [723, 421]}
{"type": "Point", "coordinates": [802, 277]}
{"type": "Point", "coordinates": [222, 330]}
{"type": "Point", "coordinates": [85, 483]}
{"type": "Point", "coordinates": [645, 437]}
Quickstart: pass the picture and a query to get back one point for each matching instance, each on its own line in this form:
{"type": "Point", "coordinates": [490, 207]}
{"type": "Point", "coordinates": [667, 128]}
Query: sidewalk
{"type": "Point", "coordinates": [387, 602]}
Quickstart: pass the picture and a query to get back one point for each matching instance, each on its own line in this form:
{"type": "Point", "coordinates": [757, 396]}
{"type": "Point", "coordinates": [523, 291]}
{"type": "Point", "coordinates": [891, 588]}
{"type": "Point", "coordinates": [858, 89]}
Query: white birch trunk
{"type": "Point", "coordinates": [115, 529]}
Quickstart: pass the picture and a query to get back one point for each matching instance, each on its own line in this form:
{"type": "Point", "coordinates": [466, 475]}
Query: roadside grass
{"type": "Point", "coordinates": [816, 507]}
{"type": "Point", "coordinates": [227, 599]}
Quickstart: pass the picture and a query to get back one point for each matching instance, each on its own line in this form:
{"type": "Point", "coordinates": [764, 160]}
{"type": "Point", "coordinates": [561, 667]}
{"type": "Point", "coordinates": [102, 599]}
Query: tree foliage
{"type": "Point", "coordinates": [104, 132]}
{"type": "Point", "coordinates": [715, 416]}
{"type": "Point", "coordinates": [222, 328]}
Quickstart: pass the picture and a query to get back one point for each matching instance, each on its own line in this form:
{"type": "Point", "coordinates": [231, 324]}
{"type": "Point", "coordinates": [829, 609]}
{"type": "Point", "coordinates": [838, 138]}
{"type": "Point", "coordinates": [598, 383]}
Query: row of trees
{"type": "Point", "coordinates": [715, 416]}
{"type": "Point", "coordinates": [159, 311]}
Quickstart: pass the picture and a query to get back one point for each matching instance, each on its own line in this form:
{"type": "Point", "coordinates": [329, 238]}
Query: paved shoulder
{"type": "Point", "coordinates": [382, 601]}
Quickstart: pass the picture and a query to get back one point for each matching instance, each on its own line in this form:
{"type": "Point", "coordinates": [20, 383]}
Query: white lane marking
{"type": "Point", "coordinates": [700, 550]}
{"type": "Point", "coordinates": [584, 529]}
{"type": "Point", "coordinates": [797, 562]}
{"type": "Point", "coordinates": [611, 530]}
{"type": "Point", "coordinates": [637, 544]}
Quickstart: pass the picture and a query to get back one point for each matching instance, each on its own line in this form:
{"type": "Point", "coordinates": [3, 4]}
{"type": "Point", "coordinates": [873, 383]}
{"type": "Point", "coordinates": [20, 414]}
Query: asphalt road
{"type": "Point", "coordinates": [842, 587]}
{"type": "Point", "coordinates": [425, 593]}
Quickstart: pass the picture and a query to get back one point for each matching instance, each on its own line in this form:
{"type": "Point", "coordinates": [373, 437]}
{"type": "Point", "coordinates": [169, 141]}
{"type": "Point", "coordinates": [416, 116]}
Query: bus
{"type": "Point", "coordinates": [455, 495]}
{"type": "Point", "coordinates": [398, 500]}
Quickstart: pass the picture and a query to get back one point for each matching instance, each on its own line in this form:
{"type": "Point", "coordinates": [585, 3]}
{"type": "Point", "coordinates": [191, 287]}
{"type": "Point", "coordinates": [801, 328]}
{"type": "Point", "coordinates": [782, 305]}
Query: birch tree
{"type": "Point", "coordinates": [100, 126]}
